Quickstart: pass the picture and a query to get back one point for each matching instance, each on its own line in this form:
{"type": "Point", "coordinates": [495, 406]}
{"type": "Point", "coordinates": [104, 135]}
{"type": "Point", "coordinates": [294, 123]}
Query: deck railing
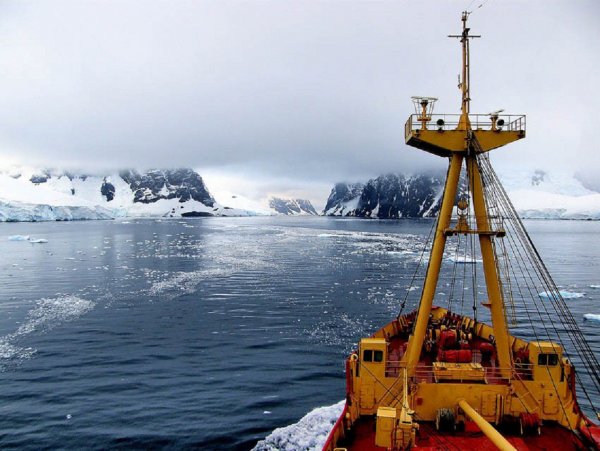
{"type": "Point", "coordinates": [492, 374]}
{"type": "Point", "coordinates": [512, 122]}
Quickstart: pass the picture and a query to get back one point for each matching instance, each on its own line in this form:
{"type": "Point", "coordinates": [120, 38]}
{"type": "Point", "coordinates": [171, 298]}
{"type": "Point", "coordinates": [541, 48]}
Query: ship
{"type": "Point", "coordinates": [454, 373]}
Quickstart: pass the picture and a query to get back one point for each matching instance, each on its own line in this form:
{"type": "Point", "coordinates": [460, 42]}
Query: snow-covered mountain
{"type": "Point", "coordinates": [343, 199]}
{"type": "Point", "coordinates": [38, 195]}
{"type": "Point", "coordinates": [536, 194]}
{"type": "Point", "coordinates": [292, 207]}
{"type": "Point", "coordinates": [387, 196]}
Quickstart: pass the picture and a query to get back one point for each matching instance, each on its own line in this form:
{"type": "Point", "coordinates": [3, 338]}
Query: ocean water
{"type": "Point", "coordinates": [211, 333]}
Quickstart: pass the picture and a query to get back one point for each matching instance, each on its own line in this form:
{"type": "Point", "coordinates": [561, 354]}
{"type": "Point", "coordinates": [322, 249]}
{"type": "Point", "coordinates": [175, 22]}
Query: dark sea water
{"type": "Point", "coordinates": [210, 333]}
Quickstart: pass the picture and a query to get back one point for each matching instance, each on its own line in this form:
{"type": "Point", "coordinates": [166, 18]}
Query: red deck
{"type": "Point", "coordinates": [552, 438]}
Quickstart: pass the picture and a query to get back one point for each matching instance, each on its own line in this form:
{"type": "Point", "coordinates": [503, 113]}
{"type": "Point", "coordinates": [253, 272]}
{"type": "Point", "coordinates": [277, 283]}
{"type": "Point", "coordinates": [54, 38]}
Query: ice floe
{"type": "Point", "coordinates": [565, 294]}
{"type": "Point", "coordinates": [27, 238]}
{"type": "Point", "coordinates": [464, 260]}
{"type": "Point", "coordinates": [18, 238]}
{"type": "Point", "coordinates": [591, 317]}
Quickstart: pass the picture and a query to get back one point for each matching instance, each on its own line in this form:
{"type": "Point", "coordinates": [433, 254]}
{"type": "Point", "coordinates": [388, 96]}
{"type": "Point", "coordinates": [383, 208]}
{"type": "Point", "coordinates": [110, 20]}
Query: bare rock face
{"type": "Point", "coordinates": [342, 198]}
{"type": "Point", "coordinates": [387, 197]}
{"type": "Point", "coordinates": [107, 190]}
{"type": "Point", "coordinates": [182, 184]}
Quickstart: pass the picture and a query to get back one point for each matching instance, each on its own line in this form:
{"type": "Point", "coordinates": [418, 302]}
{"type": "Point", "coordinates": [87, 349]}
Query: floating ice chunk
{"type": "Point", "coordinates": [591, 317]}
{"type": "Point", "coordinates": [564, 293]}
{"type": "Point", "coordinates": [594, 286]}
{"type": "Point", "coordinates": [310, 433]}
{"type": "Point", "coordinates": [18, 238]}
{"type": "Point", "coordinates": [464, 259]}
{"type": "Point", "coordinates": [27, 238]}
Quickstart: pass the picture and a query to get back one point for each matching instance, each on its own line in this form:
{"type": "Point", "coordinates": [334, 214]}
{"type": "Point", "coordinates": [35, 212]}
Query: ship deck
{"type": "Point", "coordinates": [553, 437]}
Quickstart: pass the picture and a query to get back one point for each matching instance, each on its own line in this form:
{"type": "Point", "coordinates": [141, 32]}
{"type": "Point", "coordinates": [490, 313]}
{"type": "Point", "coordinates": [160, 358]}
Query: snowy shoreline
{"type": "Point", "coordinates": [11, 213]}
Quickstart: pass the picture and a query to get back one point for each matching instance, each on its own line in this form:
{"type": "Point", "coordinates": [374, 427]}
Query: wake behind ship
{"type": "Point", "coordinates": [437, 377]}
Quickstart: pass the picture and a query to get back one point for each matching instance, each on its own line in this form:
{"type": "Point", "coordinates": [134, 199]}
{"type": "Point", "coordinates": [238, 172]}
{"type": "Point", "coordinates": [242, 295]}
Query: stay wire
{"type": "Point", "coordinates": [491, 187]}
{"type": "Point", "coordinates": [556, 333]}
{"type": "Point", "coordinates": [558, 303]}
{"type": "Point", "coordinates": [419, 263]}
{"type": "Point", "coordinates": [545, 282]}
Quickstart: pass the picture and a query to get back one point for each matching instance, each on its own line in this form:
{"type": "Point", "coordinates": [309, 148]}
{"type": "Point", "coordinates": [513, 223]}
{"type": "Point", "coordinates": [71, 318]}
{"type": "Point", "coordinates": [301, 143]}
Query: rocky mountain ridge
{"type": "Point", "coordinates": [389, 196]}
{"type": "Point", "coordinates": [536, 194]}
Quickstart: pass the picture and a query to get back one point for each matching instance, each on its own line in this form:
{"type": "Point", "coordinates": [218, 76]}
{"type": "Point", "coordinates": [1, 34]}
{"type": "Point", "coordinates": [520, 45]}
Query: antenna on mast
{"type": "Point", "coordinates": [466, 78]}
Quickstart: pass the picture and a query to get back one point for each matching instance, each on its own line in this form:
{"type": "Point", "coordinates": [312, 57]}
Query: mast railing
{"type": "Point", "coordinates": [443, 122]}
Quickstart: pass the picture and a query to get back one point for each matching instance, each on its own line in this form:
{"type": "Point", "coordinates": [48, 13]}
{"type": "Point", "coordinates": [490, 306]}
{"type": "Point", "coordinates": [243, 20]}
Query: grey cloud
{"type": "Point", "coordinates": [305, 90]}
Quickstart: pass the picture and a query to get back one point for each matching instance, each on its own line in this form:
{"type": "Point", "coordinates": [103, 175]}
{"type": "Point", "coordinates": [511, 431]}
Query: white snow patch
{"type": "Point", "coordinates": [310, 433]}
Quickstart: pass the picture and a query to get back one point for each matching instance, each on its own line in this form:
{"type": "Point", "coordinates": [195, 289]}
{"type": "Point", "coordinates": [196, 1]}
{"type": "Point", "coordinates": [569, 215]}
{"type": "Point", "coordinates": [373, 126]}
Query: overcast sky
{"type": "Point", "coordinates": [287, 96]}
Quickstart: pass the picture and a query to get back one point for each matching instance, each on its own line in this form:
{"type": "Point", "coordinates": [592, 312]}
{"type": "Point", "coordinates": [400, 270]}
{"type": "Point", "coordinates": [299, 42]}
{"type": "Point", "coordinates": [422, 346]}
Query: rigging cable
{"type": "Point", "coordinates": [546, 282]}
{"type": "Point", "coordinates": [419, 263]}
{"type": "Point", "coordinates": [558, 302]}
{"type": "Point", "coordinates": [489, 187]}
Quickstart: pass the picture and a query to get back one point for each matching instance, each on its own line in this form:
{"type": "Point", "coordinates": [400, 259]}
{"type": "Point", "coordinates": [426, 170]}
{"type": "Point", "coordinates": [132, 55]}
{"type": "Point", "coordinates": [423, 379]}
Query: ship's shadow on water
{"type": "Point", "coordinates": [213, 333]}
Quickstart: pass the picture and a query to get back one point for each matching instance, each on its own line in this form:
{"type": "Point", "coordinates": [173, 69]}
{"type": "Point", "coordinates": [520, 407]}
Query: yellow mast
{"type": "Point", "coordinates": [458, 144]}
